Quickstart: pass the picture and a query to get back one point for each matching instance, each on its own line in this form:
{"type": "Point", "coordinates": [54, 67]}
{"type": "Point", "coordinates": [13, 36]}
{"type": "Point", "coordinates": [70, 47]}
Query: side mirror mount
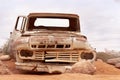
{"type": "Point", "coordinates": [10, 33]}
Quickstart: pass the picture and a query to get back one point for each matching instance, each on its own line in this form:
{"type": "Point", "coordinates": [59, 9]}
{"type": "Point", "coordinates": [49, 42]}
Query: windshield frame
{"type": "Point", "coordinates": [74, 24]}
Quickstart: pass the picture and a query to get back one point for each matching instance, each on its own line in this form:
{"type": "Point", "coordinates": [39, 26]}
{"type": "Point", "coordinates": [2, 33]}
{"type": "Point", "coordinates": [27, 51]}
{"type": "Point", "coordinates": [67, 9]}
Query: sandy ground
{"type": "Point", "coordinates": [104, 72]}
{"type": "Point", "coordinates": [66, 76]}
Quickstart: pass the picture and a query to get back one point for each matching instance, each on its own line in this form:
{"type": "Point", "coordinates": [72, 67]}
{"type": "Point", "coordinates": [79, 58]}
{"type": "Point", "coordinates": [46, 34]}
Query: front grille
{"type": "Point", "coordinates": [63, 56]}
{"type": "Point", "coordinates": [51, 46]}
{"type": "Point", "coordinates": [39, 55]}
{"type": "Point", "coordinates": [50, 42]}
{"type": "Point", "coordinates": [57, 56]}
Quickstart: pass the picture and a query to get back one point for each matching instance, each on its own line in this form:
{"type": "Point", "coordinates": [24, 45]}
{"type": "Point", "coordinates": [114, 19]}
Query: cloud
{"type": "Point", "coordinates": [100, 19]}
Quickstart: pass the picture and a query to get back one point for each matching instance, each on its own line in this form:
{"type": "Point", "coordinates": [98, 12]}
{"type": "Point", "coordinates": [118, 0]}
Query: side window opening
{"type": "Point", "coordinates": [20, 23]}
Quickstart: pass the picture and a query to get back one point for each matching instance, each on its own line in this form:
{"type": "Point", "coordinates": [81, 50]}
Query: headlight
{"type": "Point", "coordinates": [87, 55]}
{"type": "Point", "coordinates": [26, 53]}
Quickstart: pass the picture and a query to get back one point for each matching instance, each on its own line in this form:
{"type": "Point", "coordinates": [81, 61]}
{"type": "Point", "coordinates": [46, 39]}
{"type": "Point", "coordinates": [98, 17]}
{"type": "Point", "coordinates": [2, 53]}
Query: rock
{"type": "Point", "coordinates": [84, 66]}
{"type": "Point", "coordinates": [5, 57]}
{"type": "Point", "coordinates": [113, 61]}
{"type": "Point", "coordinates": [117, 65]}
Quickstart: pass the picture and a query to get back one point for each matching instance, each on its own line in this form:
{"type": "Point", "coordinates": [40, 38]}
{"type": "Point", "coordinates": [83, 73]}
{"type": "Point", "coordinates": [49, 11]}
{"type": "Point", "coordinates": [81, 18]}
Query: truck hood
{"type": "Point", "coordinates": [59, 40]}
{"type": "Point", "coordinates": [53, 33]}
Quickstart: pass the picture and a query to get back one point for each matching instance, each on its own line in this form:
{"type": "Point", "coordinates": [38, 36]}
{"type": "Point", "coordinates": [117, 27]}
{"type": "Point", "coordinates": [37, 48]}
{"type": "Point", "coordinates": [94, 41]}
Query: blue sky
{"type": "Point", "coordinates": [100, 19]}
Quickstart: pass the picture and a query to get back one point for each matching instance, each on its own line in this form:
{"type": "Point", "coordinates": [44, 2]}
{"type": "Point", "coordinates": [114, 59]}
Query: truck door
{"type": "Point", "coordinates": [18, 30]}
{"type": "Point", "coordinates": [19, 27]}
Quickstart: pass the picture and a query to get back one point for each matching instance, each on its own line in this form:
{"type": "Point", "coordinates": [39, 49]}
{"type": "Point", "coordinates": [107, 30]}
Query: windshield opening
{"type": "Point", "coordinates": [60, 24]}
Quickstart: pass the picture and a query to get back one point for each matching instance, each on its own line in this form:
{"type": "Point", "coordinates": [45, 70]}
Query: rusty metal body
{"type": "Point", "coordinates": [49, 48]}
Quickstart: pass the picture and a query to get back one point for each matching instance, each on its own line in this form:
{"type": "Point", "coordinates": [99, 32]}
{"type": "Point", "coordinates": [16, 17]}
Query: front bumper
{"type": "Point", "coordinates": [43, 68]}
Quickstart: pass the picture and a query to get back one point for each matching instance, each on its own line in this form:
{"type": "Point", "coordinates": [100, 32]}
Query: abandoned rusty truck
{"type": "Point", "coordinates": [49, 42]}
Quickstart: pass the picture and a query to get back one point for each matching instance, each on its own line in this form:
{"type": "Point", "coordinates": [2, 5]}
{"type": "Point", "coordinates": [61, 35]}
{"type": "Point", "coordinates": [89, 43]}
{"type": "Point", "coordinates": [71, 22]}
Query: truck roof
{"type": "Point", "coordinates": [60, 15]}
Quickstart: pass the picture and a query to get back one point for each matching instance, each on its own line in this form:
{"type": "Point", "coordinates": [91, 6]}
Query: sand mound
{"type": "Point", "coordinates": [4, 69]}
{"type": "Point", "coordinates": [104, 68]}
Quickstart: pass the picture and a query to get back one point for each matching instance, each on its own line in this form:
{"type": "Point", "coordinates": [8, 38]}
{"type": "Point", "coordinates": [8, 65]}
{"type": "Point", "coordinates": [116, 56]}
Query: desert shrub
{"type": "Point", "coordinates": [107, 55]}
{"type": "Point", "coordinates": [5, 47]}
{"type": "Point", "coordinates": [0, 50]}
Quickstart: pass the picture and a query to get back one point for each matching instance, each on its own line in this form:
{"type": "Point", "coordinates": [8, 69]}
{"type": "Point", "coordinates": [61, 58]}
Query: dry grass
{"type": "Point", "coordinates": [5, 47]}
